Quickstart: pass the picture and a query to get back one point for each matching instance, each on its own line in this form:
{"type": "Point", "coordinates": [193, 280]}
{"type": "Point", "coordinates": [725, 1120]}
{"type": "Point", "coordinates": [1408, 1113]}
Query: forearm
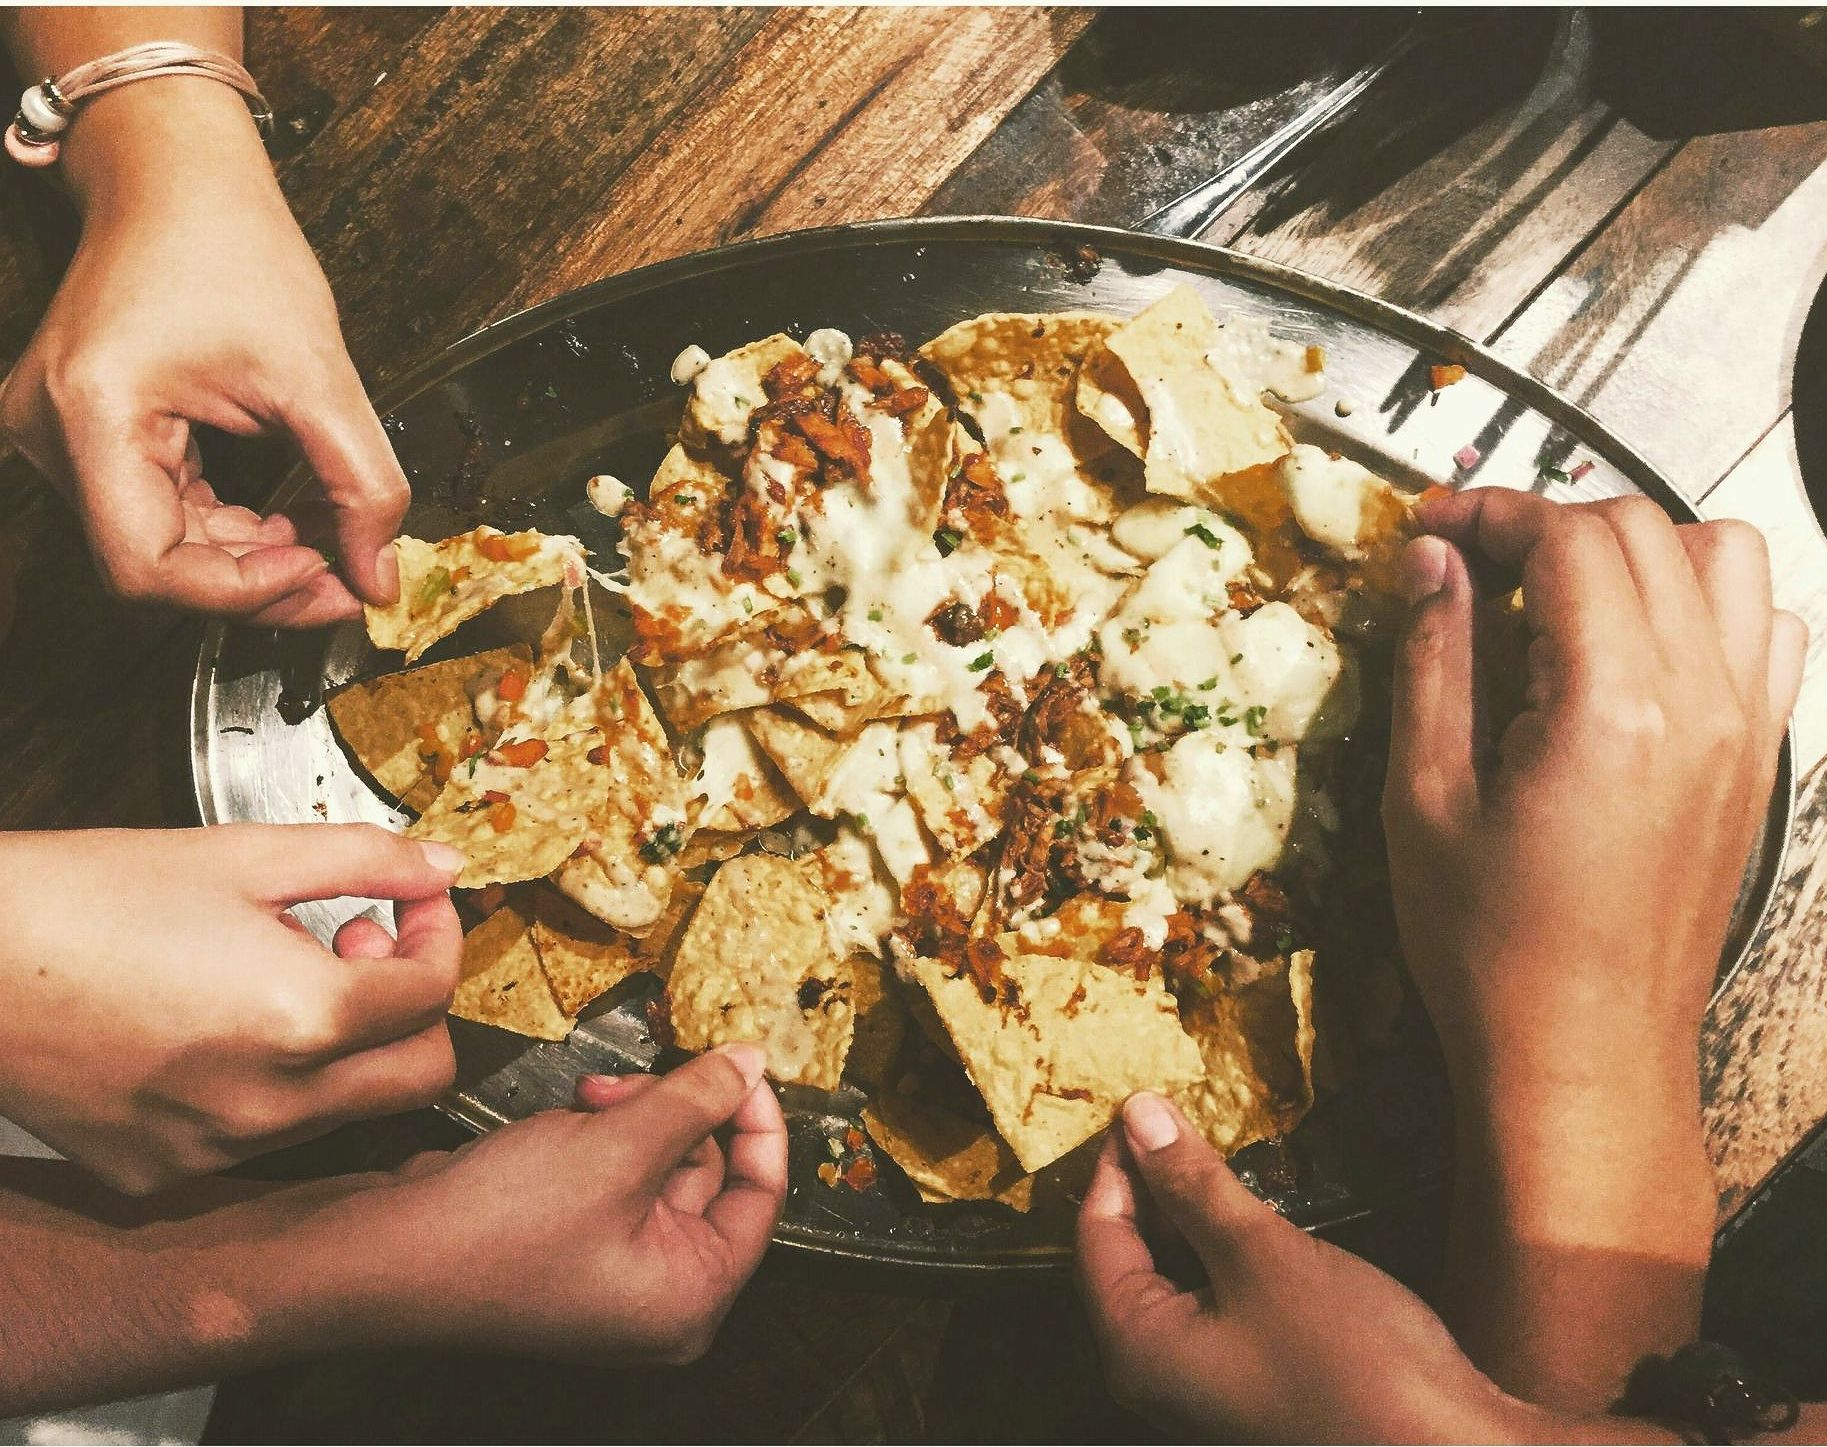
{"type": "Point", "coordinates": [168, 1292]}
{"type": "Point", "coordinates": [142, 138]}
{"type": "Point", "coordinates": [1581, 1229]}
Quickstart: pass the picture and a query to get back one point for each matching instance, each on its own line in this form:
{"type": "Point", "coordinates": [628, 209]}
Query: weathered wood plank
{"type": "Point", "coordinates": [1682, 336]}
{"type": "Point", "coordinates": [1150, 103]}
{"type": "Point", "coordinates": [1764, 1047]}
{"type": "Point", "coordinates": [1474, 218]}
{"type": "Point", "coordinates": [1766, 490]}
{"type": "Point", "coordinates": [880, 105]}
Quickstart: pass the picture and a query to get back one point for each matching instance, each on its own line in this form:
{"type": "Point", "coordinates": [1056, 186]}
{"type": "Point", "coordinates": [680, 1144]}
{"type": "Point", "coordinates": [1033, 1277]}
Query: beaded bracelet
{"type": "Point", "coordinates": [1706, 1392]}
{"type": "Point", "coordinates": [46, 109]}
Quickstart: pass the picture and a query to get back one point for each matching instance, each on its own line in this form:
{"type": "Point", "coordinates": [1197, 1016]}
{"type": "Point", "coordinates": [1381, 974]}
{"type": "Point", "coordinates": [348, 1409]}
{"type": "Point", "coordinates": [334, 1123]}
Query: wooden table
{"type": "Point", "coordinates": [1632, 208]}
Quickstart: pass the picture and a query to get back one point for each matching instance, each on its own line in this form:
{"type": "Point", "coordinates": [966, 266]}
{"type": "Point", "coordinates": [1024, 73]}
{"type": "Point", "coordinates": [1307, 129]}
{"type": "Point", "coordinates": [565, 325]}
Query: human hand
{"type": "Point", "coordinates": [165, 1017]}
{"type": "Point", "coordinates": [618, 1232]}
{"type": "Point", "coordinates": [1282, 1338]}
{"type": "Point", "coordinates": [1563, 893]}
{"type": "Point", "coordinates": [194, 300]}
{"type": "Point", "coordinates": [1576, 880]}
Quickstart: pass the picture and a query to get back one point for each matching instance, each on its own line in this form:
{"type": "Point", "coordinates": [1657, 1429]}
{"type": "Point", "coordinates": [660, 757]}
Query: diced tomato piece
{"type": "Point", "coordinates": [507, 547]}
{"type": "Point", "coordinates": [501, 817]}
{"type": "Point", "coordinates": [472, 745]}
{"type": "Point", "coordinates": [494, 796]}
{"type": "Point", "coordinates": [861, 1174]}
{"type": "Point", "coordinates": [523, 753]}
{"type": "Point", "coordinates": [513, 686]}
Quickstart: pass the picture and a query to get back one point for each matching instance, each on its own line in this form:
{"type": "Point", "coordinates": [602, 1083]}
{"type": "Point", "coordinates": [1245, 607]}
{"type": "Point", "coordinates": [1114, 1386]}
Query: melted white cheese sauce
{"type": "Point", "coordinates": [1222, 812]}
{"type": "Point", "coordinates": [832, 350]}
{"type": "Point", "coordinates": [607, 494]}
{"type": "Point", "coordinates": [1336, 503]}
{"type": "Point", "coordinates": [693, 360]}
{"type": "Point", "coordinates": [1247, 351]}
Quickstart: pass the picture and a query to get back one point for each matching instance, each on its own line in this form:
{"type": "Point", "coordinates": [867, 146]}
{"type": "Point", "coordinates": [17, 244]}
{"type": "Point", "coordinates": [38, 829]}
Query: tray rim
{"type": "Point", "coordinates": [1055, 236]}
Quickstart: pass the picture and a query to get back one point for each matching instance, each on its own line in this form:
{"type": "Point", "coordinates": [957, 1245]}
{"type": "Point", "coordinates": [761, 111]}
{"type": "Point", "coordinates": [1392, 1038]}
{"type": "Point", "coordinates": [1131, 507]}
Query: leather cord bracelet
{"type": "Point", "coordinates": [1707, 1393]}
{"type": "Point", "coordinates": [46, 109]}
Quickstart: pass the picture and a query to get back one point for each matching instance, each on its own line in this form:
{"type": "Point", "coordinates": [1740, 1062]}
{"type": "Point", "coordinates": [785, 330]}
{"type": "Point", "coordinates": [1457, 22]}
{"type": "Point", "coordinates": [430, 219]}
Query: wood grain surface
{"type": "Point", "coordinates": [1602, 196]}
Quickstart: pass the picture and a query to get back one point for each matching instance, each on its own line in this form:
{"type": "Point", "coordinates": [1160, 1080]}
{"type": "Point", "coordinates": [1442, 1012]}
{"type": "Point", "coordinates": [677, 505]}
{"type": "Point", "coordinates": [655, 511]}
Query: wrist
{"type": "Point", "coordinates": [170, 140]}
{"type": "Point", "coordinates": [287, 1276]}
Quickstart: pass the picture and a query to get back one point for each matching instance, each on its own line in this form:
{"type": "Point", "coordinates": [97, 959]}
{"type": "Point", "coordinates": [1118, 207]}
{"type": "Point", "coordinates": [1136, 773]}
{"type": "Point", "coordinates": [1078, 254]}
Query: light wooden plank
{"type": "Point", "coordinates": [1680, 332]}
{"type": "Point", "coordinates": [1766, 491]}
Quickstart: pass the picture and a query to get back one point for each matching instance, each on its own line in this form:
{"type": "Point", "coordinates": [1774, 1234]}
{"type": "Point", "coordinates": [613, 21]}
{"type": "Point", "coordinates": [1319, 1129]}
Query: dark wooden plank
{"type": "Point", "coordinates": [1150, 103]}
{"type": "Point", "coordinates": [836, 115]}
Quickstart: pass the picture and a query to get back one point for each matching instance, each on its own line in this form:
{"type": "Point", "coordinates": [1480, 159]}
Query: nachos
{"type": "Point", "coordinates": [983, 740]}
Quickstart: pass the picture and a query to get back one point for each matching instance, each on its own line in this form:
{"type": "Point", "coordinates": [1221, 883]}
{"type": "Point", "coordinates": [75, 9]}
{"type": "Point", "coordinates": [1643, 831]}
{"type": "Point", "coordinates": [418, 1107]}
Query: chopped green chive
{"type": "Point", "coordinates": [980, 662]}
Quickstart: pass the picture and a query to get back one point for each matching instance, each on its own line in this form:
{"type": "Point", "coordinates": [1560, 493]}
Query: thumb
{"type": "Point", "coordinates": [347, 448]}
{"type": "Point", "coordinates": [666, 1120]}
{"type": "Point", "coordinates": [1190, 1184]}
{"type": "Point", "coordinates": [1433, 745]}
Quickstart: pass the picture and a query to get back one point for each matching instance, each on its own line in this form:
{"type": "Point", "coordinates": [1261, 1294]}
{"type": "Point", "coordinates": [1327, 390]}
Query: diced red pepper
{"type": "Point", "coordinates": [501, 817]}
{"type": "Point", "coordinates": [513, 686]}
{"type": "Point", "coordinates": [523, 753]}
{"type": "Point", "coordinates": [507, 547]}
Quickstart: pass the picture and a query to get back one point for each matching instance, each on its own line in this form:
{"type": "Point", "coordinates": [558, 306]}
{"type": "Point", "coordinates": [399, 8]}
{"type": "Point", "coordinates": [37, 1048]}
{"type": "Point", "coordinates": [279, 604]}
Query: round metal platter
{"type": "Point", "coordinates": [507, 425]}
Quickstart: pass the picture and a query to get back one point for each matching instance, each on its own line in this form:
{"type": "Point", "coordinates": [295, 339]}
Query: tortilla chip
{"type": "Point", "coordinates": [840, 713]}
{"type": "Point", "coordinates": [1256, 1042]}
{"type": "Point", "coordinates": [1202, 425]}
{"type": "Point", "coordinates": [548, 812]}
{"type": "Point", "coordinates": [948, 1157]}
{"type": "Point", "coordinates": [1106, 395]}
{"type": "Point", "coordinates": [1057, 1062]}
{"type": "Point", "coordinates": [713, 846]}
{"type": "Point", "coordinates": [748, 669]}
{"type": "Point", "coordinates": [670, 577]}
{"type": "Point", "coordinates": [755, 965]}
{"type": "Point", "coordinates": [806, 756]}
{"type": "Point", "coordinates": [881, 1022]}
{"type": "Point", "coordinates": [737, 787]}
{"type": "Point", "coordinates": [862, 908]}
{"type": "Point", "coordinates": [729, 389]}
{"type": "Point", "coordinates": [582, 957]}
{"type": "Point", "coordinates": [959, 801]}
{"type": "Point", "coordinates": [503, 984]}
{"type": "Point", "coordinates": [378, 719]}
{"type": "Point", "coordinates": [445, 584]}
{"type": "Point", "coordinates": [625, 868]}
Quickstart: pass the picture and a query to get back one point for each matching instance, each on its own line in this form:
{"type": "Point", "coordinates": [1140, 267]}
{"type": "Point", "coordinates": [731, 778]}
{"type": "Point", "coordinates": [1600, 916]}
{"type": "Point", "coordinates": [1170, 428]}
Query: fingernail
{"type": "Point", "coordinates": [1149, 1123]}
{"type": "Point", "coordinates": [1423, 569]}
{"type": "Point", "coordinates": [387, 572]}
{"type": "Point", "coordinates": [751, 1060]}
{"type": "Point", "coordinates": [445, 858]}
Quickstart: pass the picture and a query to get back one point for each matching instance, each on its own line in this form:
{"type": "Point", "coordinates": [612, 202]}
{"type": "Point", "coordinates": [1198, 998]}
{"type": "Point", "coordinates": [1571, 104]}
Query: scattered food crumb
{"type": "Point", "coordinates": [1444, 375]}
{"type": "Point", "coordinates": [1467, 457]}
{"type": "Point", "coordinates": [1344, 407]}
{"type": "Point", "coordinates": [1580, 471]}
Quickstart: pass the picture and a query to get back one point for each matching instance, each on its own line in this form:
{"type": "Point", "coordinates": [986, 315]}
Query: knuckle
{"type": "Point", "coordinates": [302, 1026]}
{"type": "Point", "coordinates": [252, 1116]}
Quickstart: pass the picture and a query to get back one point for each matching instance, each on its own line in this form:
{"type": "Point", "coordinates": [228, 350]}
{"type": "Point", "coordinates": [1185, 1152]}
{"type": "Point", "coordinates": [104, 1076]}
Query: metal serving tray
{"type": "Point", "coordinates": [505, 427]}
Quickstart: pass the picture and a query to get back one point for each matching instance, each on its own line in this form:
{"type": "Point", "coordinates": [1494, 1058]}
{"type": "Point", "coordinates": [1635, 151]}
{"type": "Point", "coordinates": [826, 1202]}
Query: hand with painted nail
{"type": "Point", "coordinates": [193, 300]}
{"type": "Point", "coordinates": [619, 1232]}
{"type": "Point", "coordinates": [164, 1016]}
{"type": "Point", "coordinates": [1262, 1333]}
{"type": "Point", "coordinates": [1563, 885]}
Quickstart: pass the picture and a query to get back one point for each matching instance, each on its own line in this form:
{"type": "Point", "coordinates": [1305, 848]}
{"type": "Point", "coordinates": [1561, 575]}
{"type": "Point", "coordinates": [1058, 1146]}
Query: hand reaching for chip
{"type": "Point", "coordinates": [165, 1017]}
{"type": "Point", "coordinates": [619, 1232]}
{"type": "Point", "coordinates": [1284, 1338]}
{"type": "Point", "coordinates": [1281, 1337]}
{"type": "Point", "coordinates": [1564, 891]}
{"type": "Point", "coordinates": [193, 300]}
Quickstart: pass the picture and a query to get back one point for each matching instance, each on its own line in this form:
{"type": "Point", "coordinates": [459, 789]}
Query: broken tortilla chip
{"type": "Point", "coordinates": [1056, 1061]}
{"type": "Point", "coordinates": [881, 1022]}
{"type": "Point", "coordinates": [503, 984]}
{"type": "Point", "coordinates": [445, 584]}
{"type": "Point", "coordinates": [582, 957]}
{"type": "Point", "coordinates": [382, 721]}
{"type": "Point", "coordinates": [1256, 1042]}
{"type": "Point", "coordinates": [755, 965]}
{"type": "Point", "coordinates": [737, 787]}
{"type": "Point", "coordinates": [948, 1157]}
{"type": "Point", "coordinates": [515, 820]}
{"type": "Point", "coordinates": [1202, 426]}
